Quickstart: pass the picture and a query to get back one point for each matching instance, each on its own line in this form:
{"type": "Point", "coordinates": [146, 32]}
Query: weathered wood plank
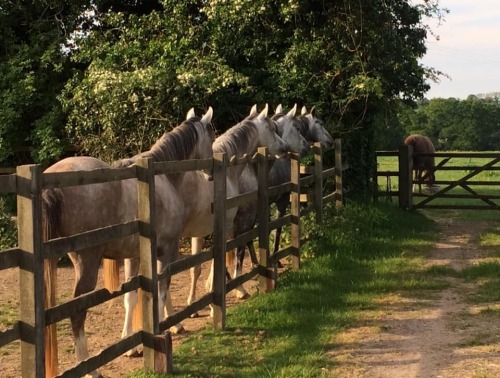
{"type": "Point", "coordinates": [242, 239]}
{"type": "Point", "coordinates": [11, 334]}
{"type": "Point", "coordinates": [186, 312]}
{"type": "Point", "coordinates": [9, 258]}
{"type": "Point", "coordinates": [219, 241]}
{"type": "Point", "coordinates": [280, 222]}
{"type": "Point", "coordinates": [32, 293]}
{"type": "Point", "coordinates": [60, 246]}
{"type": "Point", "coordinates": [241, 199]}
{"type": "Point", "coordinates": [88, 300]}
{"type": "Point", "coordinates": [96, 176]}
{"type": "Point", "coordinates": [279, 189]}
{"type": "Point", "coordinates": [8, 184]}
{"type": "Point", "coordinates": [105, 356]}
{"type": "Point", "coordinates": [240, 280]}
{"type": "Point", "coordinates": [169, 167]}
{"type": "Point", "coordinates": [185, 263]}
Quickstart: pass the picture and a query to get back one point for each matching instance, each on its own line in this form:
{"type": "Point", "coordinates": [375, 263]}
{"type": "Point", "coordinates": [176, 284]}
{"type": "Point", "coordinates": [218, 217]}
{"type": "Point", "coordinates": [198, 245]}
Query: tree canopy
{"type": "Point", "coordinates": [109, 77]}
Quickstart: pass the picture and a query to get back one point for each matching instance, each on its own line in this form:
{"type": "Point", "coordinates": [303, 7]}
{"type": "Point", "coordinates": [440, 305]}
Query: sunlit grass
{"type": "Point", "coordinates": [361, 255]}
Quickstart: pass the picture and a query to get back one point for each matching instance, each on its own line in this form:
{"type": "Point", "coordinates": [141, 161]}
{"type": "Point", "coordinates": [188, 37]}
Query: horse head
{"type": "Point", "coordinates": [316, 129]}
{"type": "Point", "coordinates": [205, 132]}
{"type": "Point", "coordinates": [267, 132]}
{"type": "Point", "coordinates": [286, 130]}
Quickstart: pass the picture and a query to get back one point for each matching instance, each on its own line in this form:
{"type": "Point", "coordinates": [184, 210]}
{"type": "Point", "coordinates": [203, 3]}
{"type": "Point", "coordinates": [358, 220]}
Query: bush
{"type": "Point", "coordinates": [8, 227]}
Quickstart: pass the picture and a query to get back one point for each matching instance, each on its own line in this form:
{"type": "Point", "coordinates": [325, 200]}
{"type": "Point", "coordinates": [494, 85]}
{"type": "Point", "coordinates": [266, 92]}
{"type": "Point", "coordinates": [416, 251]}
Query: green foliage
{"type": "Point", "coordinates": [453, 124]}
{"type": "Point", "coordinates": [8, 227]}
{"type": "Point", "coordinates": [33, 70]}
{"type": "Point", "coordinates": [131, 70]}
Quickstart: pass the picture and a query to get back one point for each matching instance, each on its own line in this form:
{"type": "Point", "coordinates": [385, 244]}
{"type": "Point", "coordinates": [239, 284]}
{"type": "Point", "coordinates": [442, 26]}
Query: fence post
{"type": "Point", "coordinates": [219, 240]}
{"type": "Point", "coordinates": [339, 191]}
{"type": "Point", "coordinates": [31, 273]}
{"type": "Point", "coordinates": [148, 257]}
{"type": "Point", "coordinates": [266, 283]}
{"type": "Point", "coordinates": [318, 181]}
{"type": "Point", "coordinates": [405, 158]}
{"type": "Point", "coordinates": [295, 209]}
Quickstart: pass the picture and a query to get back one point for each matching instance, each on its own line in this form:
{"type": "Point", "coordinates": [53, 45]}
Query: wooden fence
{"type": "Point", "coordinates": [29, 181]}
{"type": "Point", "coordinates": [444, 189]}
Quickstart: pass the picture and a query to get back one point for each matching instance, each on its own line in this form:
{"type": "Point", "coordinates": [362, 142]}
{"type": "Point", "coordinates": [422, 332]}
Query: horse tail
{"type": "Point", "coordinates": [52, 201]}
{"type": "Point", "coordinates": [111, 270]}
{"type": "Point", "coordinates": [137, 314]}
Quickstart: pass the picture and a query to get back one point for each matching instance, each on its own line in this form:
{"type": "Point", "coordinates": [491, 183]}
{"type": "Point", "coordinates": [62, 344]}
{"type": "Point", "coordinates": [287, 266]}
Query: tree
{"type": "Point", "coordinates": [33, 70]}
{"type": "Point", "coordinates": [138, 66]}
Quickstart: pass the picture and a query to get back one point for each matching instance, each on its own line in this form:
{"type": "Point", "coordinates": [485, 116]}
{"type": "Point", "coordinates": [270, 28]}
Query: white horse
{"type": "Point", "coordinates": [73, 210]}
{"type": "Point", "coordinates": [246, 217]}
{"type": "Point", "coordinates": [257, 130]}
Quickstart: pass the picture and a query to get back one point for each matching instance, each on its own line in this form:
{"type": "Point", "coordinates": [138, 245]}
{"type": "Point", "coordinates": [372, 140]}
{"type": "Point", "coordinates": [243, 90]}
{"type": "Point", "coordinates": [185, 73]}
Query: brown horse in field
{"type": "Point", "coordinates": [423, 166]}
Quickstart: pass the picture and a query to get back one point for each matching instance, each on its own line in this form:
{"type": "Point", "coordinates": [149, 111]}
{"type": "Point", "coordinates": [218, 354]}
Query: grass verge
{"type": "Point", "coordinates": [358, 256]}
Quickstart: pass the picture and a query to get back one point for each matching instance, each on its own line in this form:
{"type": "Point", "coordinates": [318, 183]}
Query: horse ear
{"type": "Point", "coordinates": [207, 117]}
{"type": "Point", "coordinates": [279, 109]}
{"type": "Point", "coordinates": [263, 113]}
{"type": "Point", "coordinates": [253, 110]}
{"type": "Point", "coordinates": [292, 111]}
{"type": "Point", "coordinates": [313, 111]}
{"type": "Point", "coordinates": [303, 111]}
{"type": "Point", "coordinates": [190, 114]}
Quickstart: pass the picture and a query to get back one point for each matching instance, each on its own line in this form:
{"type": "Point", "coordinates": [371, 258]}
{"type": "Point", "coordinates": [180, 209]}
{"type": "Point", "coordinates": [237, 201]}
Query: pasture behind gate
{"type": "Point", "coordinates": [473, 179]}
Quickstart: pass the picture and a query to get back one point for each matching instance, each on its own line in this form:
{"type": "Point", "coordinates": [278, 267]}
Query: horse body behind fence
{"type": "Point", "coordinates": [257, 130]}
{"type": "Point", "coordinates": [77, 209]}
{"type": "Point", "coordinates": [423, 166]}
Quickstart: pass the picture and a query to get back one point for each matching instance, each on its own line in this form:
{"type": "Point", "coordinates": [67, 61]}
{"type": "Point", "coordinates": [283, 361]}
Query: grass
{"type": "Point", "coordinates": [359, 256]}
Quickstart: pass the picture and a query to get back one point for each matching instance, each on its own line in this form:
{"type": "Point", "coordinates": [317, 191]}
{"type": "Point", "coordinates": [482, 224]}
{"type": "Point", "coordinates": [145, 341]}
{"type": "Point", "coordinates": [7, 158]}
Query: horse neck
{"type": "Point", "coordinates": [242, 139]}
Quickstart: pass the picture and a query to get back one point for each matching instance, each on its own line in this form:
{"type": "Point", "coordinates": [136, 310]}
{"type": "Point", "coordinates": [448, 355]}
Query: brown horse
{"type": "Point", "coordinates": [423, 166]}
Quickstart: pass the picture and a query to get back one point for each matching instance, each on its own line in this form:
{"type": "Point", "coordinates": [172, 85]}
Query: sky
{"type": "Point", "coordinates": [468, 49]}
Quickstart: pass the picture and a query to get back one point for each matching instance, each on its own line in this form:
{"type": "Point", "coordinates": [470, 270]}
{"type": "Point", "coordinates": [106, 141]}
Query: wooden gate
{"type": "Point", "coordinates": [464, 181]}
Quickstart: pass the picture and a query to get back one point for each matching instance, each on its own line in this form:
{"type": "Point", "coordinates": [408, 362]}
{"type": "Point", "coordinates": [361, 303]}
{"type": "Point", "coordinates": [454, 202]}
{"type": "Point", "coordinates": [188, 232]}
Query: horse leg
{"type": "Point", "coordinates": [165, 306]}
{"type": "Point", "coordinates": [86, 267]}
{"type": "Point", "coordinates": [239, 253]}
{"type": "Point", "coordinates": [131, 268]}
{"type": "Point", "coordinates": [277, 235]}
{"type": "Point", "coordinates": [196, 244]}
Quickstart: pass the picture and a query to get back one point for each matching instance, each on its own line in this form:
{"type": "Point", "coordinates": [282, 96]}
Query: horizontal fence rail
{"type": "Point", "coordinates": [28, 257]}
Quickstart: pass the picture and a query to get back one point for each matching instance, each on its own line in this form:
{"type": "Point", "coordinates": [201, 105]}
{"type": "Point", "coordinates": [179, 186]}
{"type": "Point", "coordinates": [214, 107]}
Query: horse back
{"type": "Point", "coordinates": [421, 145]}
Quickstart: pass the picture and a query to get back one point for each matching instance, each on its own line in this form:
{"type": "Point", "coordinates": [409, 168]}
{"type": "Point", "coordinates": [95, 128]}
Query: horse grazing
{"type": "Point", "coordinates": [244, 138]}
{"type": "Point", "coordinates": [423, 166]}
{"type": "Point", "coordinates": [72, 210]}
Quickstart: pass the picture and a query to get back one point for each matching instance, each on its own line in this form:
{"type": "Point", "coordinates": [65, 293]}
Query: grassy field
{"type": "Point", "coordinates": [358, 256]}
{"type": "Point", "coordinates": [389, 163]}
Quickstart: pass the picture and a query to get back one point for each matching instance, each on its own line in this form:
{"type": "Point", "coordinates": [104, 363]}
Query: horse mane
{"type": "Point", "coordinates": [177, 144]}
{"type": "Point", "coordinates": [238, 138]}
{"type": "Point", "coordinates": [302, 124]}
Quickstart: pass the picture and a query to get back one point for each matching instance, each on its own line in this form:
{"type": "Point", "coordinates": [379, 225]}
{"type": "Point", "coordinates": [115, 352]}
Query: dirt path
{"type": "Point", "coordinates": [104, 322]}
{"type": "Point", "coordinates": [441, 337]}
{"type": "Point", "coordinates": [444, 337]}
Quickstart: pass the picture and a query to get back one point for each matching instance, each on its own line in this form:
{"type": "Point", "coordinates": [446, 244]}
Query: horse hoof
{"type": "Point", "coordinates": [243, 297]}
{"type": "Point", "coordinates": [195, 315]}
{"type": "Point", "coordinates": [177, 329]}
{"type": "Point", "coordinates": [133, 353]}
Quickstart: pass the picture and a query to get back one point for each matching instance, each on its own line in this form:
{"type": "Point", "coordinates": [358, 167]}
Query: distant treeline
{"type": "Point", "coordinates": [452, 124]}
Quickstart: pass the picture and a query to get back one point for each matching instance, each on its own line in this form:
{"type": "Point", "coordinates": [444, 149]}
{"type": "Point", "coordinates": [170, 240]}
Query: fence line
{"type": "Point", "coordinates": [28, 183]}
{"type": "Point", "coordinates": [441, 190]}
